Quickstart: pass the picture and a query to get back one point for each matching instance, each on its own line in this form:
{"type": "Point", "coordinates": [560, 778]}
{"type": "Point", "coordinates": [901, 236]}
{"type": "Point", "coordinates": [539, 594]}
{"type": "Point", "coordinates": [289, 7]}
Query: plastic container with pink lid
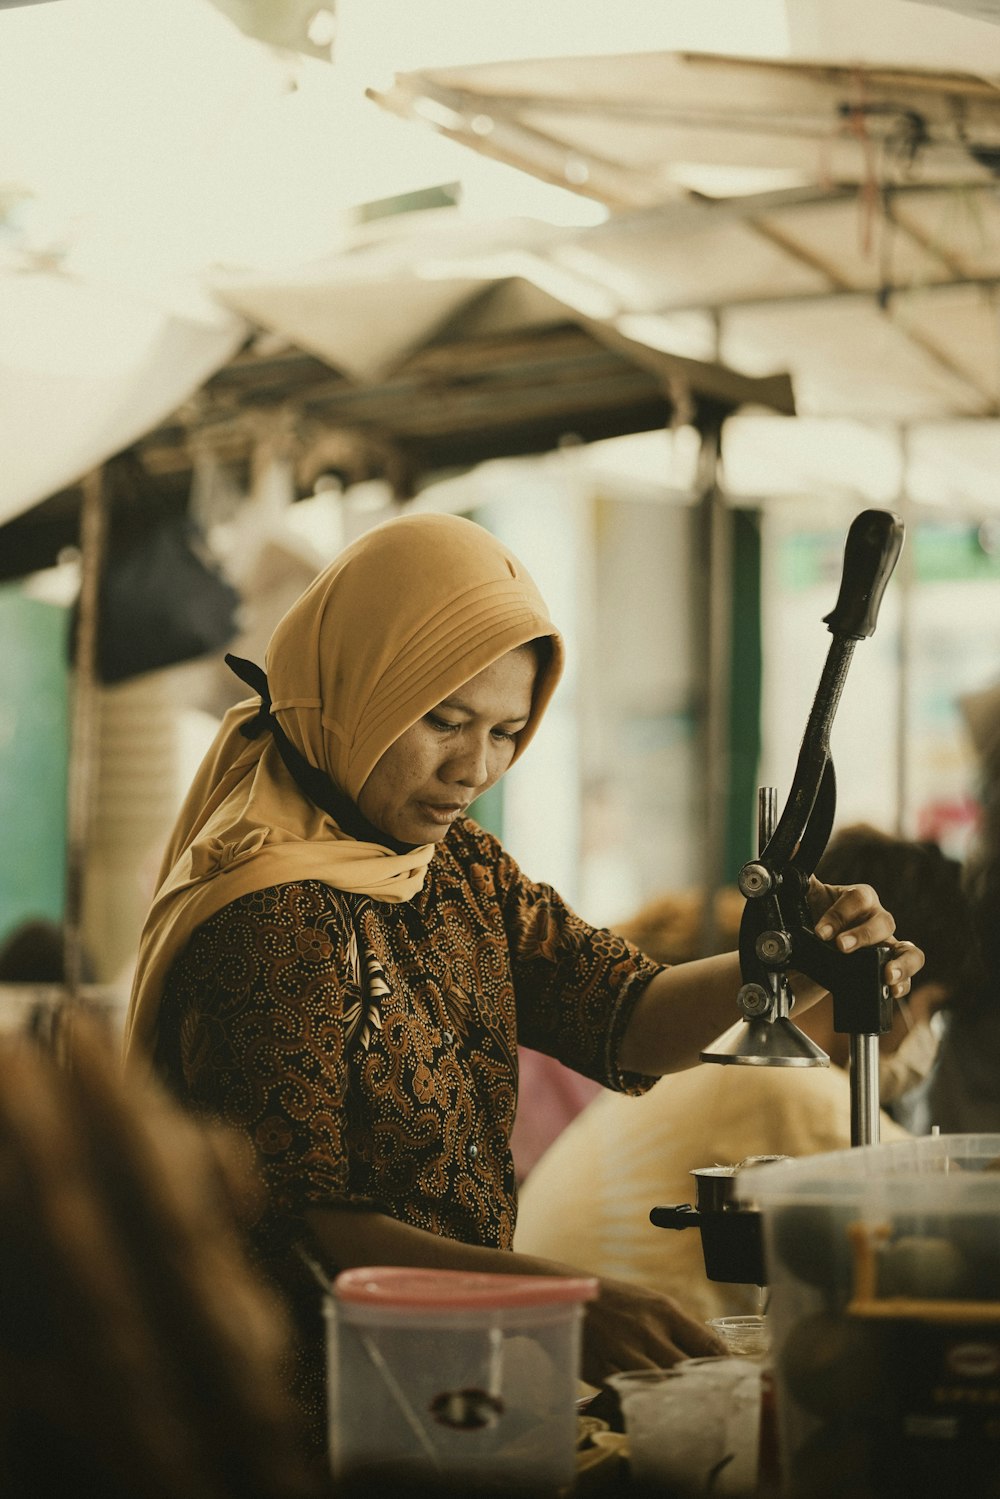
{"type": "Point", "coordinates": [454, 1377]}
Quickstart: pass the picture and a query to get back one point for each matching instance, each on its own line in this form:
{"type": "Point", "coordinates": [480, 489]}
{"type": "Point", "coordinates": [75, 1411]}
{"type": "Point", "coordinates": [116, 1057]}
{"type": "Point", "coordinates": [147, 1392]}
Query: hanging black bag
{"type": "Point", "coordinates": [161, 600]}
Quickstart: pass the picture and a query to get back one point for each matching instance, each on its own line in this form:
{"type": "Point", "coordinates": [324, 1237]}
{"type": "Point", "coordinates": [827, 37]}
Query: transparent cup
{"type": "Point", "coordinates": [676, 1429]}
{"type": "Point", "coordinates": [737, 1384]}
{"type": "Point", "coordinates": [746, 1337]}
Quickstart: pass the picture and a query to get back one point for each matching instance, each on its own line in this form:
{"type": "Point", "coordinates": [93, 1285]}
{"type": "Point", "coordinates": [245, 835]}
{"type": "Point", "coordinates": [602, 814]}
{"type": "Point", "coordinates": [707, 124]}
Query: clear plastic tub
{"type": "Point", "coordinates": [884, 1268]}
{"type": "Point", "coordinates": [453, 1380]}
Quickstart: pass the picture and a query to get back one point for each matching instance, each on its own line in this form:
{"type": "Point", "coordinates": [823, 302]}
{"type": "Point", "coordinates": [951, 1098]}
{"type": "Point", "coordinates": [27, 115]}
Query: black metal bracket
{"type": "Point", "coordinates": [731, 1242]}
{"type": "Point", "coordinates": [777, 933]}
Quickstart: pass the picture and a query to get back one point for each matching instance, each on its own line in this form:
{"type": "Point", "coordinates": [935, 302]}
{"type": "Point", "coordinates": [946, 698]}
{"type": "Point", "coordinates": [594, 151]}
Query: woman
{"type": "Point", "coordinates": [341, 964]}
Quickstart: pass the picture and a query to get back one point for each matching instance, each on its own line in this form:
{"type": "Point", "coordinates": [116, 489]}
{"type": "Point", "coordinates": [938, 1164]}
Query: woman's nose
{"type": "Point", "coordinates": [470, 762]}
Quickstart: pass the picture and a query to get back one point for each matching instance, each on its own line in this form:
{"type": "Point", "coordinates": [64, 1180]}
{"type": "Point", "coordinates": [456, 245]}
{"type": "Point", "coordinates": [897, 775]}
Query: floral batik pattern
{"type": "Point", "coordinates": [369, 1050]}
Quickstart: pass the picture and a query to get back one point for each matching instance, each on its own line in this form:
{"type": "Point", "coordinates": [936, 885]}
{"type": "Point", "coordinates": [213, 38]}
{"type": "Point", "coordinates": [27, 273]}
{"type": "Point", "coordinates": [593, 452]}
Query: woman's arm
{"type": "Point", "coordinates": [626, 1327]}
{"type": "Point", "coordinates": [684, 1008]}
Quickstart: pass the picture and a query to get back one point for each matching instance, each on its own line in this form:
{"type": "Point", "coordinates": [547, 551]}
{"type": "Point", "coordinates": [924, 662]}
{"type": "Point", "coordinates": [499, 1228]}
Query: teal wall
{"type": "Point", "coordinates": [34, 739]}
{"type": "Point", "coordinates": [487, 810]}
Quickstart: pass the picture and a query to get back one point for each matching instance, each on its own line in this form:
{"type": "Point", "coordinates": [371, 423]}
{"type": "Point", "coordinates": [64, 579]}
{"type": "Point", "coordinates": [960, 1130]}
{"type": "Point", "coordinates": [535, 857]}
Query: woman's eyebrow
{"type": "Point", "coordinates": [456, 705]}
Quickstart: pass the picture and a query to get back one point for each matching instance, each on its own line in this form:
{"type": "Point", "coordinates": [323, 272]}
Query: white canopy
{"type": "Point", "coordinates": [85, 370]}
{"type": "Point", "coordinates": [868, 266]}
{"type": "Point", "coordinates": [634, 130]}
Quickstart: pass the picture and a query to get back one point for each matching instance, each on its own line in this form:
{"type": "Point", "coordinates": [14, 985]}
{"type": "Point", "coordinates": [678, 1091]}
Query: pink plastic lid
{"type": "Point", "coordinates": [458, 1290]}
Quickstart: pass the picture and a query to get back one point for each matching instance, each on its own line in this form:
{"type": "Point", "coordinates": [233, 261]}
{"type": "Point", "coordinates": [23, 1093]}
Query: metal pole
{"type": "Point", "coordinates": [864, 1090]}
{"type": "Point", "coordinates": [907, 581]}
{"type": "Point", "coordinates": [716, 610]}
{"type": "Point", "coordinates": [767, 815]}
{"type": "Point", "coordinates": [83, 724]}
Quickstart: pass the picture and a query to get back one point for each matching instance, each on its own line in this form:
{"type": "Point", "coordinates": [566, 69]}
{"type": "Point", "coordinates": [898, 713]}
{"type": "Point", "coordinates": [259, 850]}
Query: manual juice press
{"type": "Point", "coordinates": [776, 931]}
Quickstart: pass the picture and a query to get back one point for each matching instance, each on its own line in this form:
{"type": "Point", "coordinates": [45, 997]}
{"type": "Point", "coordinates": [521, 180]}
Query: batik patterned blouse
{"type": "Point", "coordinates": [369, 1051]}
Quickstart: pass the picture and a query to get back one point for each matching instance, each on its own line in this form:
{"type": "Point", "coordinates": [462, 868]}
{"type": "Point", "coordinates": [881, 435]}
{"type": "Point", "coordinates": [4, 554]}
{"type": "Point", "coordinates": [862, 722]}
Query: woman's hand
{"type": "Point", "coordinates": [631, 1327]}
{"type": "Point", "coordinates": [626, 1327]}
{"type": "Point", "coordinates": [852, 916]}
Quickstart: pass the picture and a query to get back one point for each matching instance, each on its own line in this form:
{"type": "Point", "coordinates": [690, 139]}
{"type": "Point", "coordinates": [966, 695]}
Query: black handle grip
{"type": "Point", "coordinates": [681, 1215]}
{"type": "Point", "coordinates": [873, 544]}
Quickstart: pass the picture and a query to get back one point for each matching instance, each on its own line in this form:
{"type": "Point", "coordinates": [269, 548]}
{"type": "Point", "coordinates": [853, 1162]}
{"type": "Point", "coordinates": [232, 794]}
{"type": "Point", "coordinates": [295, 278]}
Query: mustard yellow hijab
{"type": "Point", "coordinates": [401, 619]}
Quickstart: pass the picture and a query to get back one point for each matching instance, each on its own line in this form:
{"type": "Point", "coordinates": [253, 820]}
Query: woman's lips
{"type": "Point", "coordinates": [442, 813]}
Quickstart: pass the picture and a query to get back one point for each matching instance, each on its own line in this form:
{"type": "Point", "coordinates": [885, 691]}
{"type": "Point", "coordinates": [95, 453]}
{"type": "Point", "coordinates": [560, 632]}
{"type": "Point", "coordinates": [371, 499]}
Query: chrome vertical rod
{"type": "Point", "coordinates": [864, 1090]}
{"type": "Point", "coordinates": [767, 815]}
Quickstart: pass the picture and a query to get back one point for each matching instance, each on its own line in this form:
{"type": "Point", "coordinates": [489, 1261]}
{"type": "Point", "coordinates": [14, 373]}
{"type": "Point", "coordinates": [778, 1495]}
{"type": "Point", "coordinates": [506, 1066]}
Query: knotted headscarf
{"type": "Point", "coordinates": [402, 618]}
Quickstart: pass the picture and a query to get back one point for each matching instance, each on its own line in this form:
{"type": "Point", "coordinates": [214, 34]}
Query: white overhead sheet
{"type": "Point", "coordinates": [86, 370]}
{"type": "Point", "coordinates": [400, 282]}
{"type": "Point", "coordinates": [108, 104]}
{"type": "Point", "coordinates": [877, 316]}
{"type": "Point", "coordinates": [365, 311]}
{"type": "Point", "coordinates": [141, 142]}
{"type": "Point", "coordinates": [633, 130]}
{"type": "Point", "coordinates": [868, 268]}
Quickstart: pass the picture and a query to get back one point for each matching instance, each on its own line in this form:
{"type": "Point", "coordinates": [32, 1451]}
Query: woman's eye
{"type": "Point", "coordinates": [503, 734]}
{"type": "Point", "coordinates": [441, 724]}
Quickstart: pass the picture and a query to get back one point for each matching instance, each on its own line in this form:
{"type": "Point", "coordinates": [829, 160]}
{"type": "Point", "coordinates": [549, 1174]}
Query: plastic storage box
{"type": "Point", "coordinates": [884, 1268]}
{"type": "Point", "coordinates": [446, 1381]}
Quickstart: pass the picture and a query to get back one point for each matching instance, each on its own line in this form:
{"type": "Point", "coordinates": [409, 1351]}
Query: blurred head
{"type": "Point", "coordinates": [670, 927]}
{"type": "Point", "coordinates": [139, 1354]}
{"type": "Point", "coordinates": [922, 888]}
{"type": "Point", "coordinates": [33, 954]}
{"type": "Point", "coordinates": [982, 873]}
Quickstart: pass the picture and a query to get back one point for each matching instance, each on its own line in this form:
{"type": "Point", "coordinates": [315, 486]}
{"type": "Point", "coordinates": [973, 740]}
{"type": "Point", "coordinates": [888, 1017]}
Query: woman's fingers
{"type": "Point", "coordinates": [631, 1327]}
{"type": "Point", "coordinates": [853, 916]}
{"type": "Point", "coordinates": [906, 960]}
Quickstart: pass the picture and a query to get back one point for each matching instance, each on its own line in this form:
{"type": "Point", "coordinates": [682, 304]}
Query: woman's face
{"type": "Point", "coordinates": [453, 754]}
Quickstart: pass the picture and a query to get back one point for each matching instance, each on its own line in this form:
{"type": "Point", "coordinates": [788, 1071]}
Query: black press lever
{"type": "Point", "coordinates": [776, 931]}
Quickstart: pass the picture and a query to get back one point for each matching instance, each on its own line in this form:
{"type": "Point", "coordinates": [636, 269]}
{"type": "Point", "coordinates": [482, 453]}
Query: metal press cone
{"type": "Point", "coordinates": [760, 1042]}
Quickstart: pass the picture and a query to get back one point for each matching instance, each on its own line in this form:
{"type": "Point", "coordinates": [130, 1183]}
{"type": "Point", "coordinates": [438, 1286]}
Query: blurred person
{"type": "Point", "coordinates": [139, 1352]}
{"type": "Point", "coordinates": [670, 927]}
{"type": "Point", "coordinates": [549, 1096]}
{"type": "Point", "coordinates": [929, 895]}
{"type": "Point", "coordinates": [33, 953]}
{"type": "Point", "coordinates": [33, 963]}
{"type": "Point", "coordinates": [342, 964]}
{"type": "Point", "coordinates": [593, 1189]}
{"type": "Point", "coordinates": [963, 1095]}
